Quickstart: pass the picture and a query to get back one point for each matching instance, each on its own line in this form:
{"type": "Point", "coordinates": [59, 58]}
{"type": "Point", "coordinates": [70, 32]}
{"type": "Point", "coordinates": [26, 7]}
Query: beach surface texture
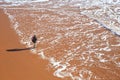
{"type": "Point", "coordinates": [71, 40]}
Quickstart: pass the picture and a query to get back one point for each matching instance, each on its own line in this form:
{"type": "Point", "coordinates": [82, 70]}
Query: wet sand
{"type": "Point", "coordinates": [19, 65]}
{"type": "Point", "coordinates": [23, 65]}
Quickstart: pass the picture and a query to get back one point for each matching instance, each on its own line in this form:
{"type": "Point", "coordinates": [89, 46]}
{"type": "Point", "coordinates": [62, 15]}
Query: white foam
{"type": "Point", "coordinates": [76, 78]}
{"type": "Point", "coordinates": [41, 53]}
{"type": "Point", "coordinates": [59, 72]}
{"type": "Point", "coordinates": [14, 1]}
{"type": "Point", "coordinates": [85, 71]}
{"type": "Point", "coordinates": [55, 64]}
{"type": "Point", "coordinates": [20, 2]}
{"type": "Point", "coordinates": [115, 59]}
{"type": "Point", "coordinates": [103, 60]}
{"type": "Point", "coordinates": [110, 1]}
{"type": "Point", "coordinates": [116, 45]}
{"type": "Point", "coordinates": [78, 48]}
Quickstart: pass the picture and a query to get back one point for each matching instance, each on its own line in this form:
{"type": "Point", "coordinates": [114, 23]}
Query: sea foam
{"type": "Point", "coordinates": [74, 41]}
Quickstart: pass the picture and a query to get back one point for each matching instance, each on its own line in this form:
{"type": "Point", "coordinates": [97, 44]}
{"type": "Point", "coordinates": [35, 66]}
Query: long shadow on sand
{"type": "Point", "coordinates": [19, 49]}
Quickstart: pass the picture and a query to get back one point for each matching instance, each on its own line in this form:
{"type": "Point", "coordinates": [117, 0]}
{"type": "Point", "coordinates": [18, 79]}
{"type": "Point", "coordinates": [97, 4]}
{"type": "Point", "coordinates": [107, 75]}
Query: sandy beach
{"type": "Point", "coordinates": [74, 41]}
{"type": "Point", "coordinates": [19, 65]}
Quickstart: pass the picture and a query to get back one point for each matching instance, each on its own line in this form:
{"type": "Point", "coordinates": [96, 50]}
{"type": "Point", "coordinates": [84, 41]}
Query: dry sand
{"type": "Point", "coordinates": [23, 65]}
{"type": "Point", "coordinates": [19, 65]}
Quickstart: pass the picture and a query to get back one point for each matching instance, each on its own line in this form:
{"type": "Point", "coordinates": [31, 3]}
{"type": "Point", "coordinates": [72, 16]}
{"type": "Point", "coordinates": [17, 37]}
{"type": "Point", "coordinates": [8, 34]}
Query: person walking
{"type": "Point", "coordinates": [34, 40]}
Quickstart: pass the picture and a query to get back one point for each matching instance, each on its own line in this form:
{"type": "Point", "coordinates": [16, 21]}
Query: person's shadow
{"type": "Point", "coordinates": [19, 49]}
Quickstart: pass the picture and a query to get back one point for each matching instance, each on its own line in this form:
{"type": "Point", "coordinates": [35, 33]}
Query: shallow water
{"type": "Point", "coordinates": [81, 42]}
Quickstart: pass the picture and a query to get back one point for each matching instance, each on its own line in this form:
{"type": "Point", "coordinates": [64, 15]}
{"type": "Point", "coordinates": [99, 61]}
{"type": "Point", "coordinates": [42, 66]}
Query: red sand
{"type": "Point", "coordinates": [19, 65]}
{"type": "Point", "coordinates": [23, 65]}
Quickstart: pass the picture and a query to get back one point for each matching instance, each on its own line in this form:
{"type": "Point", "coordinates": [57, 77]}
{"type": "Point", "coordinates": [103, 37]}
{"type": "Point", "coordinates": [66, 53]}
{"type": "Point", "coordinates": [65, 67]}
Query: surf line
{"type": "Point", "coordinates": [104, 26]}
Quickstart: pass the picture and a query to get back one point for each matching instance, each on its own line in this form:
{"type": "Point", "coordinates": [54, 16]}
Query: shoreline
{"type": "Point", "coordinates": [95, 44]}
{"type": "Point", "coordinates": [19, 65]}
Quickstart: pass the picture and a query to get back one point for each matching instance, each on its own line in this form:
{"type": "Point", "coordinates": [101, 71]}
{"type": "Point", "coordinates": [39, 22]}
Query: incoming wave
{"type": "Point", "coordinates": [71, 37]}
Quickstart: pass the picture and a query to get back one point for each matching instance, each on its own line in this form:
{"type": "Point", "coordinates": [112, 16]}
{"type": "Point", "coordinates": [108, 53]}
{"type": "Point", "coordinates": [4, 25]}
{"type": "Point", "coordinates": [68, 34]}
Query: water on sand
{"type": "Point", "coordinates": [80, 39]}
